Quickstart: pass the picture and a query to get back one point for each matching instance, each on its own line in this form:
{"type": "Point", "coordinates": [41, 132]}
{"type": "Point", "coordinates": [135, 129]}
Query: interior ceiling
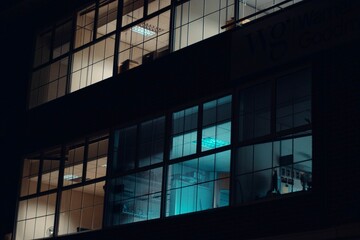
{"type": "Point", "coordinates": [94, 169]}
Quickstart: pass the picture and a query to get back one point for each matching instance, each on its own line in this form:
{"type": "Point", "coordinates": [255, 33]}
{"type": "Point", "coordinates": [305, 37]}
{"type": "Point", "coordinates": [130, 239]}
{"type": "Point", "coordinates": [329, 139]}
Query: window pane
{"type": "Point", "coordinates": [255, 108]}
{"type": "Point", "coordinates": [125, 149]}
{"type": "Point", "coordinates": [97, 159]}
{"type": "Point", "coordinates": [107, 17]}
{"type": "Point", "coordinates": [151, 142]}
{"type": "Point", "coordinates": [293, 100]}
{"type": "Point", "coordinates": [50, 169]}
{"type": "Point", "coordinates": [85, 26]}
{"type": "Point", "coordinates": [73, 170]}
{"type": "Point", "coordinates": [30, 176]}
{"type": "Point", "coordinates": [62, 37]}
{"type": "Point", "coordinates": [198, 184]}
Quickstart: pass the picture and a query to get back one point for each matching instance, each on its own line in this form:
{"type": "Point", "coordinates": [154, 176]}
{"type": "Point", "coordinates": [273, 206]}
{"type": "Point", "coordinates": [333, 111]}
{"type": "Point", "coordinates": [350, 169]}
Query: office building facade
{"type": "Point", "coordinates": [192, 119]}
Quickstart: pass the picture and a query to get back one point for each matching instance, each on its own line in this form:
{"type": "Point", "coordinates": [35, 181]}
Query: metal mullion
{"type": "Point", "coordinates": [117, 37]}
{"type": "Point", "coordinates": [70, 58]}
{"type": "Point", "coordinates": [234, 144]}
{"type": "Point", "coordinates": [85, 157]}
{"type": "Point", "coordinates": [38, 187]}
{"type": "Point", "coordinates": [59, 191]}
{"type": "Point", "coordinates": [95, 21]}
{"type": "Point", "coordinates": [172, 25]}
{"type": "Point", "coordinates": [145, 4]}
{"type": "Point", "coordinates": [236, 10]}
{"type": "Point", "coordinates": [166, 163]}
{"type": "Point", "coordinates": [109, 163]}
{"type": "Point", "coordinates": [199, 128]}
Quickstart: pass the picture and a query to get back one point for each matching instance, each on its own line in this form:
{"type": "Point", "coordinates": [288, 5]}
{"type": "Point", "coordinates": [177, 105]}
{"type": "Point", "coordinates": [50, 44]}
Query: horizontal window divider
{"type": "Point", "coordinates": [39, 194]}
{"type": "Point", "coordinates": [200, 154]}
{"type": "Point", "coordinates": [83, 184]}
{"type": "Point", "coordinates": [93, 42]}
{"type": "Point", "coordinates": [39, 67]}
{"type": "Point", "coordinates": [145, 18]}
{"type": "Point", "coordinates": [136, 170]}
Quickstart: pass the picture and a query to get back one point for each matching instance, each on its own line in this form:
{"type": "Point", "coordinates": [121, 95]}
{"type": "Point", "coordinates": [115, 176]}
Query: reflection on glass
{"type": "Point", "coordinates": [73, 170]}
{"type": "Point", "coordinates": [274, 168]}
{"type": "Point", "coordinates": [30, 177]}
{"type": "Point", "coordinates": [293, 100]}
{"type": "Point", "coordinates": [144, 42]}
{"type": "Point", "coordinates": [199, 19]}
{"type": "Point", "coordinates": [35, 218]}
{"type": "Point", "coordinates": [136, 197]}
{"type": "Point", "coordinates": [92, 64]}
{"type": "Point", "coordinates": [198, 184]}
{"type": "Point", "coordinates": [85, 26]}
{"type": "Point", "coordinates": [81, 209]}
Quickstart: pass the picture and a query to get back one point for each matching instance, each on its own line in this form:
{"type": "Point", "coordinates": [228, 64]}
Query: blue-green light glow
{"type": "Point", "coordinates": [212, 143]}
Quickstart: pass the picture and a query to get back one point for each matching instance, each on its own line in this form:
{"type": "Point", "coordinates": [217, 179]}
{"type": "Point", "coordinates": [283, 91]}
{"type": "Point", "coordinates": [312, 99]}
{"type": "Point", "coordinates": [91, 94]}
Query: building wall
{"type": "Point", "coordinates": [238, 57]}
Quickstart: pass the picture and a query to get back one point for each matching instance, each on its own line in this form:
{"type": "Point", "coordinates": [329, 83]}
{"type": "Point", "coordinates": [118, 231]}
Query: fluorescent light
{"type": "Point", "coordinates": [143, 31]}
{"type": "Point", "coordinates": [212, 143]}
{"type": "Point", "coordinates": [70, 177]}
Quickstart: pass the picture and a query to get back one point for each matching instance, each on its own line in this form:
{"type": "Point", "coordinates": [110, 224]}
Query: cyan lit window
{"type": "Point", "coordinates": [273, 168]}
{"type": "Point", "coordinates": [198, 184]}
{"type": "Point", "coordinates": [124, 149]}
{"type": "Point", "coordinates": [216, 124]}
{"type": "Point", "coordinates": [184, 132]}
{"type": "Point", "coordinates": [135, 197]}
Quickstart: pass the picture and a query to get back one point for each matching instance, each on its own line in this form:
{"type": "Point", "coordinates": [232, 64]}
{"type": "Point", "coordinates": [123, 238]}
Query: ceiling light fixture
{"type": "Point", "coordinates": [143, 31]}
{"type": "Point", "coordinates": [70, 177]}
{"type": "Point", "coordinates": [212, 143]}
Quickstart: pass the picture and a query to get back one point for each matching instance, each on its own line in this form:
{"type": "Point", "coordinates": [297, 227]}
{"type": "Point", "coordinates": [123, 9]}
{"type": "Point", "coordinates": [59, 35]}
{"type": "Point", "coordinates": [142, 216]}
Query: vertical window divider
{"type": "Point", "coordinates": [59, 190]}
{"type": "Point", "coordinates": [236, 10]}
{"type": "Point", "coordinates": [38, 187]}
{"type": "Point", "coordinates": [70, 54]}
{"type": "Point", "coordinates": [117, 37]}
{"type": "Point", "coordinates": [145, 13]}
{"type": "Point", "coordinates": [96, 17]}
{"type": "Point", "coordinates": [273, 109]}
{"type": "Point", "coordinates": [166, 163]}
{"type": "Point", "coordinates": [199, 128]}
{"type": "Point", "coordinates": [234, 142]}
{"type": "Point", "coordinates": [172, 25]}
{"type": "Point", "coordinates": [106, 221]}
{"type": "Point", "coordinates": [86, 148]}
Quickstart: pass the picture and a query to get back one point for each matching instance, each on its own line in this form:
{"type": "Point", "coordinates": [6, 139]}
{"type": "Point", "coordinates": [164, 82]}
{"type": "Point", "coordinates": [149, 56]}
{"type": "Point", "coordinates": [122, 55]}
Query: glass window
{"type": "Point", "coordinates": [151, 142]}
{"type": "Point", "coordinates": [136, 197]}
{"type": "Point", "coordinates": [35, 218]}
{"type": "Point", "coordinates": [198, 184]}
{"type": "Point", "coordinates": [85, 26]}
{"type": "Point", "coordinates": [92, 64]}
{"type": "Point", "coordinates": [216, 124]}
{"type": "Point", "coordinates": [62, 37]}
{"type": "Point", "coordinates": [125, 149]}
{"type": "Point", "coordinates": [156, 5]}
{"type": "Point", "coordinates": [184, 133]}
{"type": "Point", "coordinates": [97, 159]}
{"type": "Point", "coordinates": [255, 111]}
{"type": "Point", "coordinates": [144, 42]}
{"type": "Point", "coordinates": [42, 49]}
{"type": "Point", "coordinates": [50, 169]}
{"type": "Point", "coordinates": [293, 100]}
{"type": "Point", "coordinates": [30, 176]}
{"type": "Point", "coordinates": [73, 171]}
{"type": "Point", "coordinates": [132, 11]}
{"type": "Point", "coordinates": [48, 83]}
{"type": "Point", "coordinates": [274, 168]}
{"type": "Point", "coordinates": [196, 20]}
{"type": "Point", "coordinates": [81, 208]}
{"type": "Point", "coordinates": [107, 17]}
